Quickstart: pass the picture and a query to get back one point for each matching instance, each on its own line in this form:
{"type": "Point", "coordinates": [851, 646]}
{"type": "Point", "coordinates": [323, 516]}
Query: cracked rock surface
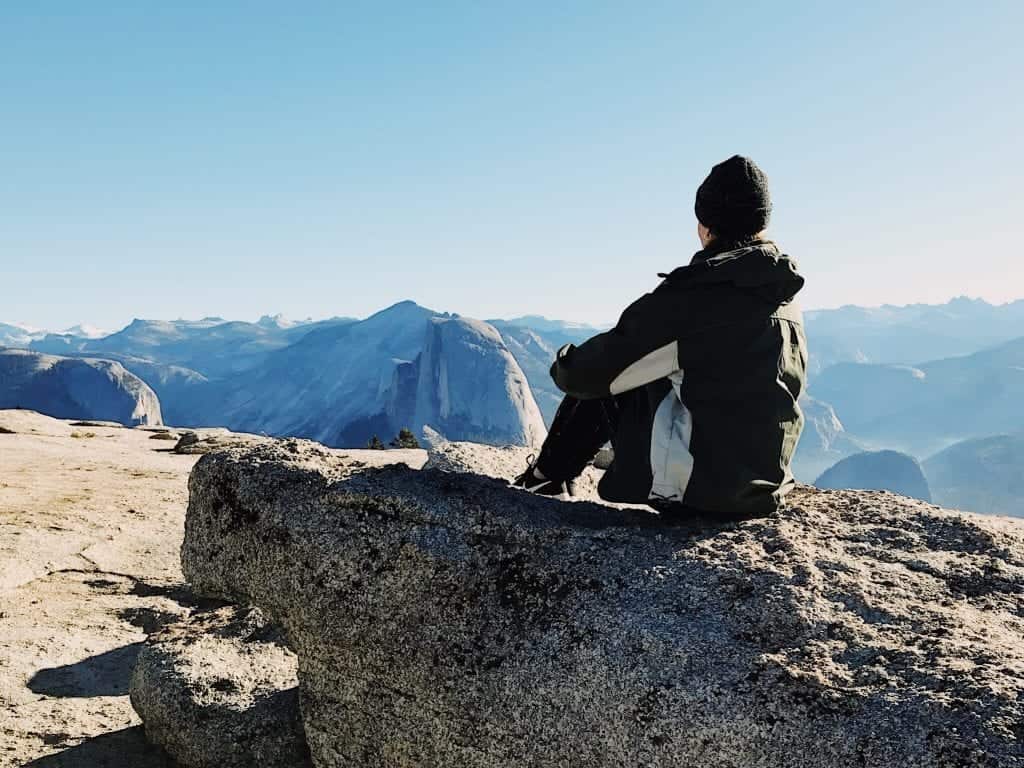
{"type": "Point", "coordinates": [219, 690]}
{"type": "Point", "coordinates": [442, 619]}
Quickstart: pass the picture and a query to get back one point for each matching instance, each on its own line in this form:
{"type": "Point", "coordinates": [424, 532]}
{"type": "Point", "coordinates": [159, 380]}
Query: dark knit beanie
{"type": "Point", "coordinates": [733, 201]}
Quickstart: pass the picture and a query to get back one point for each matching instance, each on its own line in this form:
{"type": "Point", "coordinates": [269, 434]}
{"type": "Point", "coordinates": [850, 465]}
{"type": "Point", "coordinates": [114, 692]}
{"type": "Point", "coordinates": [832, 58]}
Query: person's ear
{"type": "Point", "coordinates": [704, 234]}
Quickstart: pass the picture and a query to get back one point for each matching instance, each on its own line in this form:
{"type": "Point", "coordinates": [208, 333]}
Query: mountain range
{"type": "Point", "coordinates": [924, 408]}
{"type": "Point", "coordinates": [406, 366]}
{"type": "Point", "coordinates": [339, 381]}
{"type": "Point", "coordinates": [910, 334]}
{"type": "Point", "coordinates": [213, 346]}
{"type": "Point", "coordinates": [940, 383]}
{"type": "Point", "coordinates": [17, 335]}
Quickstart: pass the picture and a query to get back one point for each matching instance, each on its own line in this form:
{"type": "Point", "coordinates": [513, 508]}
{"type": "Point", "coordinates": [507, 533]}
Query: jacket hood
{"type": "Point", "coordinates": [758, 267]}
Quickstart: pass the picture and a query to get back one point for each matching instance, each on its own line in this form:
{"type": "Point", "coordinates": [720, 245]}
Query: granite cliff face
{"type": "Point", "coordinates": [403, 367]}
{"type": "Point", "coordinates": [470, 386]}
{"type": "Point", "coordinates": [181, 391]}
{"type": "Point", "coordinates": [338, 382]}
{"type": "Point", "coordinates": [444, 619]}
{"type": "Point", "coordinates": [824, 440]}
{"type": "Point", "coordinates": [72, 388]}
{"type": "Point", "coordinates": [534, 342]}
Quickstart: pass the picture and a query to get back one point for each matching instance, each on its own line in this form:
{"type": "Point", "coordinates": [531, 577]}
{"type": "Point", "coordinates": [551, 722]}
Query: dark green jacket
{"type": "Point", "coordinates": [706, 371]}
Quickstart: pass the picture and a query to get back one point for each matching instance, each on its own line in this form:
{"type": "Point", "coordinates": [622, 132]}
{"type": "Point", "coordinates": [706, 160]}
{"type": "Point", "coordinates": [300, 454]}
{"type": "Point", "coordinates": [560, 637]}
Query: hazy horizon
{"type": "Point", "coordinates": [54, 327]}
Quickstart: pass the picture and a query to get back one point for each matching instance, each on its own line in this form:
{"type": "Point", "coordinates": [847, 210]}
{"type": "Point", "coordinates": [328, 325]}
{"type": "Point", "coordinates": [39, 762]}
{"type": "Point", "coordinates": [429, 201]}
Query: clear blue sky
{"type": "Point", "coordinates": [192, 158]}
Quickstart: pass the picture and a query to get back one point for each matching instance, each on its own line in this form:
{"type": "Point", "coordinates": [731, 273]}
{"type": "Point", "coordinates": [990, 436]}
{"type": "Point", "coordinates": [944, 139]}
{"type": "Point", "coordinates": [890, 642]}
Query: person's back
{"type": "Point", "coordinates": [697, 385]}
{"type": "Point", "coordinates": [743, 359]}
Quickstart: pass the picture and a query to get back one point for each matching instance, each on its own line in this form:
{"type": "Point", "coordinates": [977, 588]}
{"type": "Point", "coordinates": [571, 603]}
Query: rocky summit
{"type": "Point", "coordinates": [443, 619]}
{"type": "Point", "coordinates": [65, 387]}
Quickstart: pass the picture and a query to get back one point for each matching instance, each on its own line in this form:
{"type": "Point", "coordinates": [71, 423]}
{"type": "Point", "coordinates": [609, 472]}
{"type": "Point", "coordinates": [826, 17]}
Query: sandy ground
{"type": "Point", "coordinates": [91, 522]}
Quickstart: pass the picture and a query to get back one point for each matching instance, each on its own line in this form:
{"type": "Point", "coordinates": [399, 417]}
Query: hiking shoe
{"type": "Point", "coordinates": [529, 481]}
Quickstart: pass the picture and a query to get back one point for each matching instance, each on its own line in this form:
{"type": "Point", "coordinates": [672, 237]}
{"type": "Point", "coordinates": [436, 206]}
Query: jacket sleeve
{"type": "Point", "coordinates": [641, 348]}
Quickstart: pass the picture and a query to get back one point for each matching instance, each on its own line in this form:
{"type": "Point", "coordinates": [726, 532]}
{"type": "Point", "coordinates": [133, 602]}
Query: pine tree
{"type": "Point", "coordinates": [405, 439]}
{"type": "Point", "coordinates": [375, 444]}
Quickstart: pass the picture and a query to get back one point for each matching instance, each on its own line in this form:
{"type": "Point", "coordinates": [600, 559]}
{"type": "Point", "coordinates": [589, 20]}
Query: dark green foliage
{"type": "Point", "coordinates": [375, 444]}
{"type": "Point", "coordinates": [405, 439]}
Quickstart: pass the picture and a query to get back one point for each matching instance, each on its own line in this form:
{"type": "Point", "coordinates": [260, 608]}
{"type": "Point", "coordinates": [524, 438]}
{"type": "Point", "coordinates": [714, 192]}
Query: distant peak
{"type": "Point", "coordinates": [22, 326]}
{"type": "Point", "coordinates": [84, 330]}
{"type": "Point", "coordinates": [404, 307]}
{"type": "Point", "coordinates": [528, 318]}
{"type": "Point", "coordinates": [967, 300]}
{"type": "Point", "coordinates": [544, 324]}
{"type": "Point", "coordinates": [275, 321]}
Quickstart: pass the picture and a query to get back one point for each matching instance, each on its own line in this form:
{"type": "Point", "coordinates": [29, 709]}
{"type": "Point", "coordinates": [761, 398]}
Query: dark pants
{"type": "Point", "coordinates": [579, 430]}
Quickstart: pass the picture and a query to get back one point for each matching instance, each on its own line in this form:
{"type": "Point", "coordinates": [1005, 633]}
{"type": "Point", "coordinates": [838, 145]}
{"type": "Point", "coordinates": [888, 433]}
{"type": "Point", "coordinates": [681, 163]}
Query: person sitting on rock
{"type": "Point", "coordinates": [697, 385]}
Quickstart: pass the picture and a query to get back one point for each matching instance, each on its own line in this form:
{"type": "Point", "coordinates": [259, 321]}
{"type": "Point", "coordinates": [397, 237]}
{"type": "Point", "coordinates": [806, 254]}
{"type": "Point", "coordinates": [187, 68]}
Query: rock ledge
{"type": "Point", "coordinates": [444, 619]}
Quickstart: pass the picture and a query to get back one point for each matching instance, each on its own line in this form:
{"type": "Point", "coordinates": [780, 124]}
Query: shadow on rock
{"type": "Point", "coordinates": [149, 620]}
{"type": "Point", "coordinates": [107, 674]}
{"type": "Point", "coordinates": [127, 747]}
{"type": "Point", "coordinates": [179, 593]}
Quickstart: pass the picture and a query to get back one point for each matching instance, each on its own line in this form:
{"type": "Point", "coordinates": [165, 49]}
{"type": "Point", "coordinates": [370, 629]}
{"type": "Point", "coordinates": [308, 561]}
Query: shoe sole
{"type": "Point", "coordinates": [563, 496]}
